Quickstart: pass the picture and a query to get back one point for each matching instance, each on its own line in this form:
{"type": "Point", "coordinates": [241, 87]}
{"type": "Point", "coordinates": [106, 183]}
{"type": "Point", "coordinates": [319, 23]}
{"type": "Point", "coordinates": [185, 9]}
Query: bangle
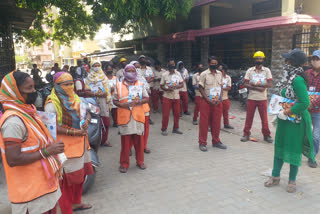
{"type": "Point", "coordinates": [42, 154]}
{"type": "Point", "coordinates": [45, 152]}
{"type": "Point", "coordinates": [88, 119]}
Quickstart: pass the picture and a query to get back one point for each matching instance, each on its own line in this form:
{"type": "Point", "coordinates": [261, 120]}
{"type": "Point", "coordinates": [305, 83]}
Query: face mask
{"type": "Point", "coordinates": [95, 69]}
{"type": "Point", "coordinates": [171, 67]}
{"type": "Point", "coordinates": [31, 97]}
{"type": "Point", "coordinates": [142, 63]}
{"type": "Point", "coordinates": [130, 77]}
{"type": "Point", "coordinates": [258, 63]}
{"type": "Point", "coordinates": [316, 64]}
{"type": "Point", "coordinates": [78, 71]}
{"type": "Point", "coordinates": [213, 67]}
{"type": "Point", "coordinates": [109, 72]}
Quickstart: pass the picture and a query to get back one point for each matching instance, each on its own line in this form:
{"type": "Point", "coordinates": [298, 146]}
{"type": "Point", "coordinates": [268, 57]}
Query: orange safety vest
{"type": "Point", "coordinates": [123, 114]}
{"type": "Point", "coordinates": [73, 145]}
{"type": "Point", "coordinates": [28, 182]}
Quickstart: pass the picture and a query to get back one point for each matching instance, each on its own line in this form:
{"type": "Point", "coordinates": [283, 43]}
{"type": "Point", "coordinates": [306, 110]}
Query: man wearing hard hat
{"type": "Point", "coordinates": [119, 74]}
{"type": "Point", "coordinates": [257, 79]}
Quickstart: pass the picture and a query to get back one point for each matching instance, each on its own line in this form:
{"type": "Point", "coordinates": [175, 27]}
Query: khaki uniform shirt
{"type": "Point", "coordinates": [195, 82]}
{"type": "Point", "coordinates": [133, 127]}
{"type": "Point", "coordinates": [148, 74]}
{"type": "Point", "coordinates": [208, 80]}
{"type": "Point", "coordinates": [255, 76]}
{"type": "Point", "coordinates": [120, 74]}
{"type": "Point", "coordinates": [185, 77]}
{"type": "Point", "coordinates": [168, 79]}
{"type": "Point", "coordinates": [226, 84]}
{"type": "Point", "coordinates": [157, 76]}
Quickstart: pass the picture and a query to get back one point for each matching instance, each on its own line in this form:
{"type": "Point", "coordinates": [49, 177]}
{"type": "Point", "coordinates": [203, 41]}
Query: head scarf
{"type": "Point", "coordinates": [178, 65]}
{"type": "Point", "coordinates": [11, 99]}
{"type": "Point", "coordinates": [130, 77]}
{"type": "Point", "coordinates": [96, 77]}
{"type": "Point", "coordinates": [66, 102]}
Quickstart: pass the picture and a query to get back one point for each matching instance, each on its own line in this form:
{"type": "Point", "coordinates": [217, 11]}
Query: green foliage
{"type": "Point", "coordinates": [71, 19]}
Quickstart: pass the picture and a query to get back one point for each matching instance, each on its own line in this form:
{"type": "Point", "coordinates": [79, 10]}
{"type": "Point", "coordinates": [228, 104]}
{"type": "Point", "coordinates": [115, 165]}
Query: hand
{"type": "Point", "coordinates": [85, 125]}
{"type": "Point", "coordinates": [210, 102]}
{"type": "Point", "coordinates": [170, 88]}
{"type": "Point", "coordinates": [287, 112]}
{"type": "Point", "coordinates": [55, 148]}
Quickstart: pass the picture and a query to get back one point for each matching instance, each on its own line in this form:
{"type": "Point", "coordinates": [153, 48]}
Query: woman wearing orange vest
{"type": "Point", "coordinates": [131, 117]}
{"type": "Point", "coordinates": [28, 150]}
{"type": "Point", "coordinates": [67, 105]}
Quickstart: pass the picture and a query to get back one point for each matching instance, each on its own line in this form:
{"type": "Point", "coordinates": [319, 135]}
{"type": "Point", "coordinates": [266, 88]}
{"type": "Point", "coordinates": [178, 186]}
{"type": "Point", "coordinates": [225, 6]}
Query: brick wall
{"type": "Point", "coordinates": [282, 40]}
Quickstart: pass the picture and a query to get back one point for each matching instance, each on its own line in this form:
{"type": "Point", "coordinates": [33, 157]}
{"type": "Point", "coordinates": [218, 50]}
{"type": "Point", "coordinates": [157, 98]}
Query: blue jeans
{"type": "Point", "coordinates": [316, 131]}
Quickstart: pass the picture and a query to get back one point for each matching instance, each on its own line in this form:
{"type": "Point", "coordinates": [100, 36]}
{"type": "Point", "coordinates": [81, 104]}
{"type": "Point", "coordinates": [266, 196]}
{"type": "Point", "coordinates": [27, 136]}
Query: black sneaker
{"type": "Point", "coordinates": [177, 131]}
{"type": "Point", "coordinates": [180, 114]}
{"type": "Point", "coordinates": [312, 164]}
{"type": "Point", "coordinates": [115, 125]}
{"type": "Point", "coordinates": [220, 145]}
{"type": "Point", "coordinates": [151, 122]}
{"type": "Point", "coordinates": [268, 139]}
{"type": "Point", "coordinates": [228, 127]}
{"type": "Point", "coordinates": [187, 113]}
{"type": "Point", "coordinates": [245, 138]}
{"type": "Point", "coordinates": [203, 148]}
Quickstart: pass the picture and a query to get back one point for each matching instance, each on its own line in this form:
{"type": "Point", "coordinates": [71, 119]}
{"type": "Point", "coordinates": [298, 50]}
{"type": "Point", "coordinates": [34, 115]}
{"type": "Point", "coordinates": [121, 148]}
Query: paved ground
{"type": "Point", "coordinates": [182, 179]}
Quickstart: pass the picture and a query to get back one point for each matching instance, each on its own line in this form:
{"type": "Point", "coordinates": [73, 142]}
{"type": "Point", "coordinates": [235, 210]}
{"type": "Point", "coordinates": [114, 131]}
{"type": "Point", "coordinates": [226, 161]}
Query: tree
{"type": "Point", "coordinates": [65, 20]}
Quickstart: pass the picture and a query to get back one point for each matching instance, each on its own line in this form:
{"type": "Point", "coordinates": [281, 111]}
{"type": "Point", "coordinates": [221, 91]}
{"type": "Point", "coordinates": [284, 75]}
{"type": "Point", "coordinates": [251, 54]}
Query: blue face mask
{"type": "Point", "coordinates": [171, 67]}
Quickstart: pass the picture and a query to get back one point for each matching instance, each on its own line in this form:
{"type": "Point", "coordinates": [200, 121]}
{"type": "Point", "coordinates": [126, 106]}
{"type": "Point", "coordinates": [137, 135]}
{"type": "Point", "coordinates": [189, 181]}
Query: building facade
{"type": "Point", "coordinates": [233, 30]}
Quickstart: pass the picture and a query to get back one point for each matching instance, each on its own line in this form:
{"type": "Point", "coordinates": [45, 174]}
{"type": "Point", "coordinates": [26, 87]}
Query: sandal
{"type": "Point", "coordinates": [123, 170]}
{"type": "Point", "coordinates": [83, 207]}
{"type": "Point", "coordinates": [291, 187]}
{"type": "Point", "coordinates": [147, 151]}
{"type": "Point", "coordinates": [107, 144]}
{"type": "Point", "coordinates": [142, 166]}
{"type": "Point", "coordinates": [273, 181]}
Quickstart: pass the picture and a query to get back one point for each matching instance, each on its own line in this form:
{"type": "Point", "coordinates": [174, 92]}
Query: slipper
{"type": "Point", "coordinates": [142, 166]}
{"type": "Point", "coordinates": [123, 170]}
{"type": "Point", "coordinates": [106, 145]}
{"type": "Point", "coordinates": [253, 139]}
{"type": "Point", "coordinates": [83, 207]}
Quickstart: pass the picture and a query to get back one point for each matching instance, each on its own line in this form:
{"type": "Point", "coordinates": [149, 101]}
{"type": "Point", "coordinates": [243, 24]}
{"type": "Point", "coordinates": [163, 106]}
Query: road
{"type": "Point", "coordinates": [182, 179]}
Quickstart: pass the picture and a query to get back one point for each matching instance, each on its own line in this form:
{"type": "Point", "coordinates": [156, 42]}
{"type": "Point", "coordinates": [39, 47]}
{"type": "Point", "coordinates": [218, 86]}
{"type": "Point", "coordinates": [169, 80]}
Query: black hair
{"type": "Point", "coordinates": [56, 64]}
{"type": "Point", "coordinates": [224, 67]}
{"type": "Point", "coordinates": [157, 63]}
{"type": "Point", "coordinates": [170, 59]}
{"type": "Point", "coordinates": [34, 65]}
{"type": "Point", "coordinates": [213, 58]}
{"type": "Point", "coordinates": [20, 77]}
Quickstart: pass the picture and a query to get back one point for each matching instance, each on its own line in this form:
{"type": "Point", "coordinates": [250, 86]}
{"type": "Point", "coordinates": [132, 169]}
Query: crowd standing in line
{"type": "Point", "coordinates": [129, 94]}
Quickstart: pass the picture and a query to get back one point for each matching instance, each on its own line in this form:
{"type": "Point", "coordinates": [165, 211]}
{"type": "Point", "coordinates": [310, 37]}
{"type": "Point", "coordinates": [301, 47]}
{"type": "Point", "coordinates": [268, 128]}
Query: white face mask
{"type": "Point", "coordinates": [95, 69]}
{"type": "Point", "coordinates": [315, 64]}
{"type": "Point", "coordinates": [78, 71]}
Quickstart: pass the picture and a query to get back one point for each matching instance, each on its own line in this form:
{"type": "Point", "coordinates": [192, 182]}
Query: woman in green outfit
{"type": "Point", "coordinates": [293, 138]}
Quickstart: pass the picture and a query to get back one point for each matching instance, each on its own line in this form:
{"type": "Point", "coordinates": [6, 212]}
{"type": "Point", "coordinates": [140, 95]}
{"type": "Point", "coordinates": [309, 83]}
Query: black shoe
{"type": "Point", "coordinates": [245, 138]}
{"type": "Point", "coordinates": [312, 164]}
{"type": "Point", "coordinates": [151, 122]}
{"type": "Point", "coordinates": [220, 145]}
{"type": "Point", "coordinates": [228, 127]}
{"type": "Point", "coordinates": [115, 125]}
{"type": "Point", "coordinates": [130, 153]}
{"type": "Point", "coordinates": [177, 131]}
{"type": "Point", "coordinates": [268, 139]}
{"type": "Point", "coordinates": [180, 114]}
{"type": "Point", "coordinates": [195, 122]}
{"type": "Point", "coordinates": [203, 148]}
{"type": "Point", "coordinates": [187, 113]}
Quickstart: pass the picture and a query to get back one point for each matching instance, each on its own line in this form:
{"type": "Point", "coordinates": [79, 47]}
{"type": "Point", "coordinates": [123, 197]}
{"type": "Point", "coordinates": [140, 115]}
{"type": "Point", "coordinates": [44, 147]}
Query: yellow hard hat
{"type": "Point", "coordinates": [123, 59]}
{"type": "Point", "coordinates": [259, 54]}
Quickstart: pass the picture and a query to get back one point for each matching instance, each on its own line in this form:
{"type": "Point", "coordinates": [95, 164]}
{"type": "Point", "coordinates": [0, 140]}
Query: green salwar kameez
{"type": "Point", "coordinates": [294, 139]}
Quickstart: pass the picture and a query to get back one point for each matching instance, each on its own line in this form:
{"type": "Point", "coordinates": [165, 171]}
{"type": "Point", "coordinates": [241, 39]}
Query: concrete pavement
{"type": "Point", "coordinates": [182, 179]}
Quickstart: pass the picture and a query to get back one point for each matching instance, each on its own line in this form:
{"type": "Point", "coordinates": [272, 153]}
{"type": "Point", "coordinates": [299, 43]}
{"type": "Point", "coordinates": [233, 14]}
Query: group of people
{"type": "Point", "coordinates": [37, 176]}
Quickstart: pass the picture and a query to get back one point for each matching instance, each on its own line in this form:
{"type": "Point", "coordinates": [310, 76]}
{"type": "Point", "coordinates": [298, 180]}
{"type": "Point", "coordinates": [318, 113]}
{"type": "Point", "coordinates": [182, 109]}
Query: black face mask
{"type": "Point", "coordinates": [200, 70]}
{"type": "Point", "coordinates": [109, 72]}
{"type": "Point", "coordinates": [258, 63]}
{"type": "Point", "coordinates": [142, 63]}
{"type": "Point", "coordinates": [213, 67]}
{"type": "Point", "coordinates": [171, 67]}
{"type": "Point", "coordinates": [31, 97]}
